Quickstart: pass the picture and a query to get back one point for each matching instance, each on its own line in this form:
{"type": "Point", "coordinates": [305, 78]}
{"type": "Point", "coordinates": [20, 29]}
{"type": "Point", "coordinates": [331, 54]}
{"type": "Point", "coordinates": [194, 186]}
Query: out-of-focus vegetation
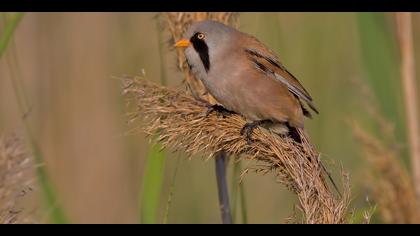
{"type": "Point", "coordinates": [77, 116]}
{"type": "Point", "coordinates": [52, 203]}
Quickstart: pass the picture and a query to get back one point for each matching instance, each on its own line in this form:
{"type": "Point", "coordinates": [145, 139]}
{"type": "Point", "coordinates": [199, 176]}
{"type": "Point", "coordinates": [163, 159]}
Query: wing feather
{"type": "Point", "coordinates": [265, 60]}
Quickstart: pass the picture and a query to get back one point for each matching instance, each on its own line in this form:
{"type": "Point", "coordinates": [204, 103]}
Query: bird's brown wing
{"type": "Point", "coordinates": [265, 60]}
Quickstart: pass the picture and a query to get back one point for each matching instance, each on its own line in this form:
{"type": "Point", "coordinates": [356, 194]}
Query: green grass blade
{"type": "Point", "coordinates": [152, 185]}
{"type": "Point", "coordinates": [243, 203]}
{"type": "Point", "coordinates": [56, 213]}
{"type": "Point", "coordinates": [171, 191]}
{"type": "Point", "coordinates": [238, 194]}
{"type": "Point", "coordinates": [361, 215]}
{"type": "Point", "coordinates": [380, 60]}
{"type": "Point", "coordinates": [235, 189]}
{"type": "Point", "coordinates": [155, 164]}
{"type": "Point", "coordinates": [7, 32]}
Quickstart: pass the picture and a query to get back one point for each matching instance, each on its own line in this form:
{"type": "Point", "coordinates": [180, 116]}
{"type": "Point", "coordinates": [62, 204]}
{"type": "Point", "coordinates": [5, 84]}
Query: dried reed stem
{"type": "Point", "coordinates": [408, 80]}
{"type": "Point", "coordinates": [182, 124]}
{"type": "Point", "coordinates": [388, 179]}
{"type": "Point", "coordinates": [391, 185]}
{"type": "Point", "coordinates": [221, 160]}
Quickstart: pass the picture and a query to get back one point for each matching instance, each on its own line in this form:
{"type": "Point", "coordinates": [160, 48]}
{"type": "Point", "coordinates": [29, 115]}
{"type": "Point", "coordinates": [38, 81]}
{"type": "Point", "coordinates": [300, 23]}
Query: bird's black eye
{"type": "Point", "coordinates": [201, 36]}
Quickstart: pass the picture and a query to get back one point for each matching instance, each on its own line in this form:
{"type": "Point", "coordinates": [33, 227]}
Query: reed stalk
{"type": "Point", "coordinates": [408, 80]}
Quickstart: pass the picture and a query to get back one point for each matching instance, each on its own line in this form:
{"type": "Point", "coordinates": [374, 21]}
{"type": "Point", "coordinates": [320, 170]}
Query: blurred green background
{"type": "Point", "coordinates": [78, 115]}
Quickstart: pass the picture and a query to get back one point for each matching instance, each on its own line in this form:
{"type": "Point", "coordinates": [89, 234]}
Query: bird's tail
{"type": "Point", "coordinates": [295, 135]}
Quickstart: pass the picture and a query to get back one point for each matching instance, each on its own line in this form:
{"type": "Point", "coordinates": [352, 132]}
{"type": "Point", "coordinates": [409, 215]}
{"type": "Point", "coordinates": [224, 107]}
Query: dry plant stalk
{"type": "Point", "coordinates": [390, 182]}
{"type": "Point", "coordinates": [182, 124]}
{"type": "Point", "coordinates": [177, 23]}
{"type": "Point", "coordinates": [15, 180]}
{"type": "Point", "coordinates": [408, 80]}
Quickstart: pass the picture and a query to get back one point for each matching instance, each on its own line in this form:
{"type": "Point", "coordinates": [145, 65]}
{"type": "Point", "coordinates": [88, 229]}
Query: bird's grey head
{"type": "Point", "coordinates": [205, 42]}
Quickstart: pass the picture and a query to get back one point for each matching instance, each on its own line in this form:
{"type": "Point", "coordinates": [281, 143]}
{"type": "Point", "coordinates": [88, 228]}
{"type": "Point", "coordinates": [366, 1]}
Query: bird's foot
{"type": "Point", "coordinates": [249, 128]}
{"type": "Point", "coordinates": [219, 109]}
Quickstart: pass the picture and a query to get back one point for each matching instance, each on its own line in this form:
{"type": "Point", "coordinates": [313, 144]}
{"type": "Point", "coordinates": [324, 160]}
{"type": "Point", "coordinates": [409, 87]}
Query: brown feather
{"type": "Point", "coordinates": [263, 56]}
{"type": "Point", "coordinates": [255, 96]}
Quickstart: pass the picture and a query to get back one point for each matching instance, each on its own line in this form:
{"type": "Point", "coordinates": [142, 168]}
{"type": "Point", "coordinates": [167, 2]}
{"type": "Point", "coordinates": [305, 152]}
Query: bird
{"type": "Point", "coordinates": [246, 77]}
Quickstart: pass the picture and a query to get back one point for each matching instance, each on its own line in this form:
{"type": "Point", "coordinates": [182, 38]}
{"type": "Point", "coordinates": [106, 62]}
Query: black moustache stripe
{"type": "Point", "coordinates": [203, 51]}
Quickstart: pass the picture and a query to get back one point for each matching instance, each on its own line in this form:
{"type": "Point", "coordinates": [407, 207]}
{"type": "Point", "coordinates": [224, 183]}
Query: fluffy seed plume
{"type": "Point", "coordinates": [388, 179]}
{"type": "Point", "coordinates": [181, 124]}
{"type": "Point", "coordinates": [15, 180]}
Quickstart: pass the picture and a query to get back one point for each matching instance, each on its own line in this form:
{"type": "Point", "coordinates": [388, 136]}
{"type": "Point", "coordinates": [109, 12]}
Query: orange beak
{"type": "Point", "coordinates": [182, 43]}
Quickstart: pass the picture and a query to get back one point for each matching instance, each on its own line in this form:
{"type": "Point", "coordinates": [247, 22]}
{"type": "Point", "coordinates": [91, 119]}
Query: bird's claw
{"type": "Point", "coordinates": [210, 109]}
{"type": "Point", "coordinates": [247, 131]}
{"type": "Point", "coordinates": [249, 128]}
{"type": "Point", "coordinates": [219, 109]}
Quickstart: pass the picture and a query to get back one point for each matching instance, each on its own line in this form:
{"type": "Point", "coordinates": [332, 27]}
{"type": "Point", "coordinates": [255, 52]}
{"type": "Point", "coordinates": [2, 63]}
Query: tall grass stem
{"type": "Point", "coordinates": [408, 80]}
